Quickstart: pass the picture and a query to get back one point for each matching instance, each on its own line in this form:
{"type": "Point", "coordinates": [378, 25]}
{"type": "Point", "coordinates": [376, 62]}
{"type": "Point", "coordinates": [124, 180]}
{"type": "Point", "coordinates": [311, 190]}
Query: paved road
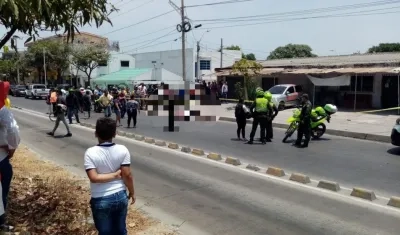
{"type": "Point", "coordinates": [348, 161]}
{"type": "Point", "coordinates": [212, 199]}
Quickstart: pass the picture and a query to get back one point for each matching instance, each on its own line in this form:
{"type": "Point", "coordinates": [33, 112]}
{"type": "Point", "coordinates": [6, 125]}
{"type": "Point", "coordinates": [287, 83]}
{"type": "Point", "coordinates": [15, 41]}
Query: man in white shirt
{"type": "Point", "coordinates": [108, 168]}
{"type": "Point", "coordinates": [9, 141]}
{"type": "Point", "coordinates": [224, 91]}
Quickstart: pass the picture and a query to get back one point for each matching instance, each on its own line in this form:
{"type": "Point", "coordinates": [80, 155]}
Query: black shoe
{"type": "Point", "coordinates": [68, 135]}
{"type": "Point", "coordinates": [263, 142]}
{"type": "Point", "coordinates": [50, 133]}
{"type": "Point", "coordinates": [268, 140]}
{"type": "Point", "coordinates": [304, 146]}
{"type": "Point", "coordinates": [250, 142]}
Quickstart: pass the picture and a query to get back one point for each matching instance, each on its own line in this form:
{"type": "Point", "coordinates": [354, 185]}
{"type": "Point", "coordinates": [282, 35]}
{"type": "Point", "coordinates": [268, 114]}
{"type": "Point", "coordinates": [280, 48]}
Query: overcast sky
{"type": "Point", "coordinates": [327, 31]}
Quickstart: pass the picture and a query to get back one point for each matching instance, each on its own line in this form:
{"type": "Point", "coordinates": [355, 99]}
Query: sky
{"type": "Point", "coordinates": [329, 27]}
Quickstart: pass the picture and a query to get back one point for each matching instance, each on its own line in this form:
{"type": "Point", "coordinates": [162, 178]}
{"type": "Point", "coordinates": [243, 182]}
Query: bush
{"type": "Point", "coordinates": [239, 91]}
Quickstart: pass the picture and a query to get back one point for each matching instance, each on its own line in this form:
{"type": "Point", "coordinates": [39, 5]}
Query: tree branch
{"type": "Point", "coordinates": [8, 36]}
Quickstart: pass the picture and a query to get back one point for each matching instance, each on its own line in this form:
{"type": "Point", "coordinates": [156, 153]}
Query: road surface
{"type": "Point", "coordinates": [210, 198]}
{"type": "Point", "coordinates": [351, 162]}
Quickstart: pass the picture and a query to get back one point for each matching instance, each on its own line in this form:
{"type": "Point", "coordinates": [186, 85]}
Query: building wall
{"type": "Point", "coordinates": [170, 60]}
{"type": "Point", "coordinates": [210, 60]}
{"type": "Point", "coordinates": [376, 96]}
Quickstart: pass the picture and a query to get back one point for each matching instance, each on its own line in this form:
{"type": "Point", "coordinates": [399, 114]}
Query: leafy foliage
{"type": "Point", "coordinates": [232, 47]}
{"type": "Point", "coordinates": [291, 51]}
{"type": "Point", "coordinates": [247, 68]}
{"type": "Point", "coordinates": [30, 17]}
{"type": "Point", "coordinates": [87, 59]}
{"type": "Point", "coordinates": [250, 56]}
{"type": "Point", "coordinates": [385, 47]}
{"type": "Point", "coordinates": [239, 91]}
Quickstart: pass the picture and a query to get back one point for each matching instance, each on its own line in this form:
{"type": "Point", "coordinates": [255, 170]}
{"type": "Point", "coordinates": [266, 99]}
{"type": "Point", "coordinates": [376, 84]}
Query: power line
{"type": "Point", "coordinates": [132, 9]}
{"type": "Point", "coordinates": [142, 47]}
{"type": "Point", "coordinates": [152, 40]}
{"type": "Point", "coordinates": [218, 3]}
{"type": "Point", "coordinates": [302, 18]}
{"type": "Point", "coordinates": [157, 31]}
{"type": "Point", "coordinates": [140, 22]}
{"type": "Point", "coordinates": [310, 11]}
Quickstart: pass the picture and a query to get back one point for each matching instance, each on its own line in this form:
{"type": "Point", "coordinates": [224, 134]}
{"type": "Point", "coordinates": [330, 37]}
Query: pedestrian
{"type": "Point", "coordinates": [59, 112]}
{"type": "Point", "coordinates": [132, 107]}
{"type": "Point", "coordinates": [73, 106]}
{"type": "Point", "coordinates": [259, 110]}
{"type": "Point", "coordinates": [224, 91]}
{"type": "Point", "coordinates": [87, 102]}
{"type": "Point", "coordinates": [122, 101]}
{"type": "Point", "coordinates": [105, 102]}
{"type": "Point", "coordinates": [108, 166]}
{"type": "Point", "coordinates": [305, 123]}
{"type": "Point", "coordinates": [240, 113]}
{"type": "Point", "coordinates": [117, 109]}
{"type": "Point", "coordinates": [273, 113]}
{"type": "Point", "coordinates": [9, 131]}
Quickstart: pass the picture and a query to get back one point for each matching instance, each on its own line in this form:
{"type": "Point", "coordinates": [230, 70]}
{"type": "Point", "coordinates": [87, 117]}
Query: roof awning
{"type": "Point", "coordinates": [264, 71]}
{"type": "Point", "coordinates": [371, 70]}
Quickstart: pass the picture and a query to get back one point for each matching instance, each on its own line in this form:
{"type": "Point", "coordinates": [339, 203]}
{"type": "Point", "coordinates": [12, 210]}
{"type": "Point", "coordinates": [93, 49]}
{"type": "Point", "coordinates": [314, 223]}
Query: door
{"type": "Point", "coordinates": [389, 98]}
{"type": "Point", "coordinates": [291, 96]}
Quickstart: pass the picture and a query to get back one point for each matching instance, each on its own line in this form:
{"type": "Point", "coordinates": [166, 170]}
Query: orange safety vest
{"type": "Point", "coordinates": [53, 97]}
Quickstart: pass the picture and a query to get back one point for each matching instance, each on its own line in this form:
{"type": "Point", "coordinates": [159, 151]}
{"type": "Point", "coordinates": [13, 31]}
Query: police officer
{"type": "Point", "coordinates": [259, 110]}
{"type": "Point", "coordinates": [305, 122]}
{"type": "Point", "coordinates": [273, 112]}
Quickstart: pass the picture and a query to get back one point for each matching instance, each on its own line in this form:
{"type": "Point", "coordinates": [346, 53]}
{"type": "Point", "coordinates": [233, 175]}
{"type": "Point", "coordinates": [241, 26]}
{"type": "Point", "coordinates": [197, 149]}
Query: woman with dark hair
{"type": "Point", "coordinates": [117, 109]}
{"type": "Point", "coordinates": [132, 108]}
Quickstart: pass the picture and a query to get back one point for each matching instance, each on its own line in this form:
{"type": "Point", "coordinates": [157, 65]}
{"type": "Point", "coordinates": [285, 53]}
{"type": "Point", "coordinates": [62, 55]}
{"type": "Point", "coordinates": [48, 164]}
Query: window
{"type": "Point", "coordinates": [290, 90]}
{"type": "Point", "coordinates": [299, 89]}
{"type": "Point", "coordinates": [125, 63]}
{"type": "Point", "coordinates": [205, 65]}
{"type": "Point", "coordinates": [364, 84]}
{"type": "Point", "coordinates": [39, 87]}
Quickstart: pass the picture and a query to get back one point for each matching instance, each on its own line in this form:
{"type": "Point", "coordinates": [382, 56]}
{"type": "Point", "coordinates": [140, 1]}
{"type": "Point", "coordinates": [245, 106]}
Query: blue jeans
{"type": "Point", "coordinates": [6, 172]}
{"type": "Point", "coordinates": [107, 111]}
{"type": "Point", "coordinates": [109, 213]}
{"type": "Point", "coordinates": [70, 112]}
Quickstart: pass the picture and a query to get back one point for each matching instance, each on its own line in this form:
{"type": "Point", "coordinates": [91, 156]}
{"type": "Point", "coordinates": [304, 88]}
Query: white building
{"type": "Point", "coordinates": [171, 61]}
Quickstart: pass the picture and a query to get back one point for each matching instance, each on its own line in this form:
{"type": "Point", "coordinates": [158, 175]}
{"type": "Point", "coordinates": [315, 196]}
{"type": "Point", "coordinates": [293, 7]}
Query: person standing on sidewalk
{"type": "Point", "coordinates": [104, 165]}
{"type": "Point", "coordinates": [59, 112]}
{"type": "Point", "coordinates": [132, 108]}
{"type": "Point", "coordinates": [9, 142]}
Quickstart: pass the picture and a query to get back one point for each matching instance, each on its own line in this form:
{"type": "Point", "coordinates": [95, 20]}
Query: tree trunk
{"type": "Point", "coordinates": [8, 36]}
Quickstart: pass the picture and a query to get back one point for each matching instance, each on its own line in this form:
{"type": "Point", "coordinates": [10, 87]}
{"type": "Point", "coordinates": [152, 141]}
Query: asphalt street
{"type": "Point", "coordinates": [351, 162]}
{"type": "Point", "coordinates": [214, 199]}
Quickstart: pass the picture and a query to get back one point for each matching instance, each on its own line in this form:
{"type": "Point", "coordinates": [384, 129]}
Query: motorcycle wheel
{"type": "Point", "coordinates": [289, 132]}
{"type": "Point", "coordinates": [318, 131]}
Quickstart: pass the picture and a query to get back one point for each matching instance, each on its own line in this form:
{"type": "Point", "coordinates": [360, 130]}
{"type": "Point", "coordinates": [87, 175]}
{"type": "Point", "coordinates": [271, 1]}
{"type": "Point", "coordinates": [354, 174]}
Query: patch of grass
{"type": "Point", "coordinates": [47, 199]}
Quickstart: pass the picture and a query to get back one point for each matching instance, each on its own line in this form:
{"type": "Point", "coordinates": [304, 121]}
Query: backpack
{"type": "Point", "coordinates": [239, 112]}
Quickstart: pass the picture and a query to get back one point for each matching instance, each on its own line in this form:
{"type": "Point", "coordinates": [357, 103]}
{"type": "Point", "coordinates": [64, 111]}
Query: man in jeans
{"type": "Point", "coordinates": [105, 101]}
{"type": "Point", "coordinates": [59, 112]}
{"type": "Point", "coordinates": [108, 168]}
{"type": "Point", "coordinates": [9, 142]}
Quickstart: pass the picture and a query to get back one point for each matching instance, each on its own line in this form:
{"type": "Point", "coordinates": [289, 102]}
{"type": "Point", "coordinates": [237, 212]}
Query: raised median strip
{"type": "Point", "coordinates": [363, 193]}
{"type": "Point", "coordinates": [394, 201]}
{"type": "Point", "coordinates": [160, 143]}
{"type": "Point", "coordinates": [186, 149]}
{"type": "Point", "coordinates": [233, 161]}
{"type": "Point", "coordinates": [275, 171]}
{"type": "Point", "coordinates": [214, 156]}
{"type": "Point", "coordinates": [139, 137]}
{"type": "Point", "coordinates": [198, 152]}
{"type": "Point", "coordinates": [130, 135]}
{"type": "Point", "coordinates": [173, 146]}
{"type": "Point", "coordinates": [121, 133]}
{"type": "Point", "coordinates": [300, 178]}
{"type": "Point", "coordinates": [149, 140]}
{"type": "Point", "coordinates": [349, 134]}
{"type": "Point", "coordinates": [329, 185]}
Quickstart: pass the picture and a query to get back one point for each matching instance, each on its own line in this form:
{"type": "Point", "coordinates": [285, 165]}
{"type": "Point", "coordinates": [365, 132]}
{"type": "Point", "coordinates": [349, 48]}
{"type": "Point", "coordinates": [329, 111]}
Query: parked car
{"type": "Point", "coordinates": [395, 136]}
{"type": "Point", "coordinates": [10, 90]}
{"type": "Point", "coordinates": [20, 92]}
{"type": "Point", "coordinates": [286, 95]}
{"type": "Point", "coordinates": [35, 91]}
{"type": "Point", "coordinates": [15, 88]}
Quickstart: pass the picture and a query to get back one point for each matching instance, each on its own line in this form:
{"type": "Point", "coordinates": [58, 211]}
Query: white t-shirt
{"type": "Point", "coordinates": [107, 158]}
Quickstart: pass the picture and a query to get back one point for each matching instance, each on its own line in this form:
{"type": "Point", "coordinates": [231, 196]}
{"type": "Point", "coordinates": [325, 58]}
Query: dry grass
{"type": "Point", "coordinates": [47, 199]}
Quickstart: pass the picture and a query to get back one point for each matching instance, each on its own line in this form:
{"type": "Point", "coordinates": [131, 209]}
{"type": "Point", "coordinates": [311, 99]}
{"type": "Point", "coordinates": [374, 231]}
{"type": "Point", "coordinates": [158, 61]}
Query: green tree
{"type": "Point", "coordinates": [31, 17]}
{"type": "Point", "coordinates": [232, 47]}
{"type": "Point", "coordinates": [385, 47]}
{"type": "Point", "coordinates": [247, 68]}
{"type": "Point", "coordinates": [56, 55]}
{"type": "Point", "coordinates": [250, 56]}
{"type": "Point", "coordinates": [87, 59]}
{"type": "Point", "coordinates": [291, 51]}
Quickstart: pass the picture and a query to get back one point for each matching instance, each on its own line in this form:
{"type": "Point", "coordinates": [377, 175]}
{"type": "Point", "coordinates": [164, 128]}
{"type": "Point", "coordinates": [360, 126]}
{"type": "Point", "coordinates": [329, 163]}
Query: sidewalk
{"type": "Point", "coordinates": [376, 127]}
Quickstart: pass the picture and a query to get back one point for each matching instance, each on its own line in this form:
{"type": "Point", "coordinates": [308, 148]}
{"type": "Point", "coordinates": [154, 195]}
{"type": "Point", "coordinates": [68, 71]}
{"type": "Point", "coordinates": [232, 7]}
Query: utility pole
{"type": "Point", "coordinates": [183, 40]}
{"type": "Point", "coordinates": [198, 61]}
{"type": "Point", "coordinates": [222, 48]}
{"type": "Point", "coordinates": [44, 67]}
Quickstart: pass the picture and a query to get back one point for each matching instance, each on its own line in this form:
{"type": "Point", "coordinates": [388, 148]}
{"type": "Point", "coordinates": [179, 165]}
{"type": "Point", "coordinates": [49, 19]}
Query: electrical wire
{"type": "Point", "coordinates": [140, 22]}
{"type": "Point", "coordinates": [142, 47]}
{"type": "Point", "coordinates": [310, 11]}
{"type": "Point", "coordinates": [132, 9]}
{"type": "Point", "coordinates": [152, 40]}
{"type": "Point", "coordinates": [157, 31]}
{"type": "Point", "coordinates": [218, 3]}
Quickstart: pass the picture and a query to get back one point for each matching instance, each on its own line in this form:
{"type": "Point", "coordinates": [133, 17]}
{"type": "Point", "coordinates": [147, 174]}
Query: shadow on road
{"type": "Point", "coordinates": [394, 151]}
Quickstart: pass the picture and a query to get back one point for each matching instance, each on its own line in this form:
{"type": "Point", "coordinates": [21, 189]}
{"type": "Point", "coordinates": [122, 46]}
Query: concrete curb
{"type": "Point", "coordinates": [363, 193]}
{"type": "Point", "coordinates": [273, 171]}
{"type": "Point", "coordinates": [349, 134]}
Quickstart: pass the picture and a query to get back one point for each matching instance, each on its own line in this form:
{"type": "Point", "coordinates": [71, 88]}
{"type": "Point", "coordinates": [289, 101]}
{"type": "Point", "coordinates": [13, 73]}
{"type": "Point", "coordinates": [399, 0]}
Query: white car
{"type": "Point", "coordinates": [36, 91]}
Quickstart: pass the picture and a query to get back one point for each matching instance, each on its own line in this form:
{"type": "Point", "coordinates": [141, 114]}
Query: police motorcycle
{"type": "Point", "coordinates": [319, 116]}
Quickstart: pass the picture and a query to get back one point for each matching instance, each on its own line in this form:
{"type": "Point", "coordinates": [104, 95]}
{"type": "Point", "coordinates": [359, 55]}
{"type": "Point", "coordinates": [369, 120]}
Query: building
{"type": "Point", "coordinates": [373, 78]}
{"type": "Point", "coordinates": [171, 61]}
{"type": "Point", "coordinates": [81, 38]}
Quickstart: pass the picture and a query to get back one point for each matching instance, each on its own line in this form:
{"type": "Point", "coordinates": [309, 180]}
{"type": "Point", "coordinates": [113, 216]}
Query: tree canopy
{"type": "Point", "coordinates": [87, 59]}
{"type": "Point", "coordinates": [385, 47]}
{"type": "Point", "coordinates": [31, 17]}
{"type": "Point", "coordinates": [291, 51]}
{"type": "Point", "coordinates": [250, 56]}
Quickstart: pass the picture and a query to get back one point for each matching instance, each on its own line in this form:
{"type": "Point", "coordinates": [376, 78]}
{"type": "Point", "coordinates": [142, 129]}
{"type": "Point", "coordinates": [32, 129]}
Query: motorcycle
{"type": "Point", "coordinates": [318, 117]}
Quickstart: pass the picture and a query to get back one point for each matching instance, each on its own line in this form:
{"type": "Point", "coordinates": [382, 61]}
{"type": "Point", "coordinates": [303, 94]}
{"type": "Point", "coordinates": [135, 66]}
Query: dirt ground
{"type": "Point", "coordinates": [47, 199]}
